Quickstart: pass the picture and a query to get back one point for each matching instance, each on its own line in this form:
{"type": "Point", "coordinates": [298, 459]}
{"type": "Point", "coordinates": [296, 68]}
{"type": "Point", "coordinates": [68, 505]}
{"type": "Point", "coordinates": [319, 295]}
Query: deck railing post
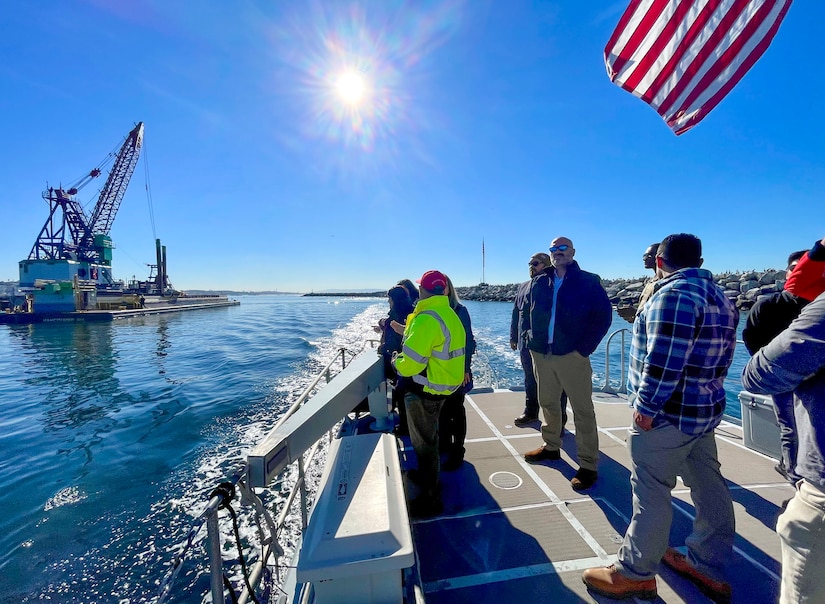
{"type": "Point", "coordinates": [302, 482]}
{"type": "Point", "coordinates": [215, 561]}
{"type": "Point", "coordinates": [607, 388]}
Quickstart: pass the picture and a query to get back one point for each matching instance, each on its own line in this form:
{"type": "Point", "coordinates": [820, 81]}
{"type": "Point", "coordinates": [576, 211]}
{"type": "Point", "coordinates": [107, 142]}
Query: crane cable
{"type": "Point", "coordinates": [148, 186]}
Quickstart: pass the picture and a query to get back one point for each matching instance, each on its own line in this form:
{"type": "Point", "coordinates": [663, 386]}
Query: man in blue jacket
{"type": "Point", "coordinates": [794, 361]}
{"type": "Point", "coordinates": [569, 315]}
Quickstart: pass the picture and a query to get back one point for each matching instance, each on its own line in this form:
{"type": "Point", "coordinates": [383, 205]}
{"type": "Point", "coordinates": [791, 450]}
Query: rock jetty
{"type": "Point", "coordinates": [744, 288]}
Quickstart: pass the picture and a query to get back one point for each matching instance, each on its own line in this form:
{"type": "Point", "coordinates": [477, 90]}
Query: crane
{"type": "Point", "coordinates": [72, 235]}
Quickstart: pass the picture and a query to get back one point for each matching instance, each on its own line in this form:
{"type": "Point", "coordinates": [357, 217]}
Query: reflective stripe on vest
{"type": "Point", "coordinates": [423, 381]}
{"type": "Point", "coordinates": [446, 354]}
{"type": "Point", "coordinates": [439, 354]}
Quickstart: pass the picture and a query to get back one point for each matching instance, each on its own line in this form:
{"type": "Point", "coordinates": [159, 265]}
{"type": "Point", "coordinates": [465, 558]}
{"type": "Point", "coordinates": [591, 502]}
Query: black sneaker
{"type": "Point", "coordinates": [524, 420]}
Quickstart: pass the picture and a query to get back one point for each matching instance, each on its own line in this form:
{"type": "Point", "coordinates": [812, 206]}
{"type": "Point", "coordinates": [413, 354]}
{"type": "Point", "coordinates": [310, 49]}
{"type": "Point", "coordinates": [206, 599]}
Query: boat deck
{"type": "Point", "coordinates": [515, 531]}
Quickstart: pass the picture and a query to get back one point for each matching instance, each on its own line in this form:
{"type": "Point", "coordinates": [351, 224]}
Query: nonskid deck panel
{"type": "Point", "coordinates": [513, 531]}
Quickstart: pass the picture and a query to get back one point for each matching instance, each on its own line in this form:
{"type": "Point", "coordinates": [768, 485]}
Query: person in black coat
{"type": "Point", "coordinates": [400, 308]}
{"type": "Point", "coordinates": [452, 423]}
{"type": "Point", "coordinates": [519, 324]}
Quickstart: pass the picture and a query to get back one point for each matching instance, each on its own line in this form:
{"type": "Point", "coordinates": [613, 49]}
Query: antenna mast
{"type": "Point", "coordinates": [483, 262]}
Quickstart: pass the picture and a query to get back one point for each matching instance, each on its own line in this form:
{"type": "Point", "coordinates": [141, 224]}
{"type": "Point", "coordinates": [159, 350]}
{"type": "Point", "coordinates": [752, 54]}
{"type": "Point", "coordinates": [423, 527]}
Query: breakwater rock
{"type": "Point", "coordinates": [744, 288]}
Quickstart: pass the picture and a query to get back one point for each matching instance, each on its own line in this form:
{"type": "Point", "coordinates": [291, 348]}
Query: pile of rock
{"type": "Point", "coordinates": [742, 288]}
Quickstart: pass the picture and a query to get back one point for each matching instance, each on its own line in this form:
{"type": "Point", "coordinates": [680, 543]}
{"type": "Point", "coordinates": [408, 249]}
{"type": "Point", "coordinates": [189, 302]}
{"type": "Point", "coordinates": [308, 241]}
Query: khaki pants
{"type": "Point", "coordinates": [801, 528]}
{"type": "Point", "coordinates": [572, 374]}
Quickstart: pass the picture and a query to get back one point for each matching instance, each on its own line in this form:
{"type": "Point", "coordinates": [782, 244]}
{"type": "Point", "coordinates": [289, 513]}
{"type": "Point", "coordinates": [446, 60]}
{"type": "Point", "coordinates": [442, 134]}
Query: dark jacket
{"type": "Point", "coordinates": [470, 346]}
{"type": "Point", "coordinates": [519, 323]}
{"type": "Point", "coordinates": [768, 317]}
{"type": "Point", "coordinates": [583, 312]}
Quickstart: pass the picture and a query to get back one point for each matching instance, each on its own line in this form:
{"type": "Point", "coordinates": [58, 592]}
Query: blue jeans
{"type": "Point", "coordinates": [657, 456]}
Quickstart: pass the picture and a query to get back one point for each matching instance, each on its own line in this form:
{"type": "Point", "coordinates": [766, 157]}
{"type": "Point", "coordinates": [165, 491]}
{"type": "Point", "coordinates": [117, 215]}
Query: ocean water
{"type": "Point", "coordinates": [113, 435]}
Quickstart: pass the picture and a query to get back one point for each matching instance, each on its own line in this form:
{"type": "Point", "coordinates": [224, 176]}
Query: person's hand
{"type": "Point", "coordinates": [466, 378]}
{"type": "Point", "coordinates": [513, 345]}
{"type": "Point", "coordinates": [645, 422]}
{"type": "Point", "coordinates": [397, 327]}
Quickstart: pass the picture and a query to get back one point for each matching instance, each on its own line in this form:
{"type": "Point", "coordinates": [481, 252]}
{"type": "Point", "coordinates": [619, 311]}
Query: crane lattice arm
{"type": "Point", "coordinates": [54, 242]}
{"type": "Point", "coordinates": [112, 193]}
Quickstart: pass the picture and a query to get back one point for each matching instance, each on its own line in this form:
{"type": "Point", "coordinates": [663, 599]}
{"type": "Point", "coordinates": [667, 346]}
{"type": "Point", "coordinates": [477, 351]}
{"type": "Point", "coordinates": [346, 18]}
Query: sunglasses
{"type": "Point", "coordinates": [535, 263]}
{"type": "Point", "coordinates": [559, 248]}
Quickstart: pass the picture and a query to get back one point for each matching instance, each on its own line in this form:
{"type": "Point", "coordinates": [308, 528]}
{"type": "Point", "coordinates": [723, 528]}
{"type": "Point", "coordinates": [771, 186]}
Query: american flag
{"type": "Point", "coordinates": [683, 56]}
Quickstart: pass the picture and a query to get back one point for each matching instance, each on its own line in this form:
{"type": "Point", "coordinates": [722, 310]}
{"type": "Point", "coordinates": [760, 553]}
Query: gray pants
{"type": "Point", "coordinates": [801, 527]}
{"type": "Point", "coordinates": [657, 457]}
{"type": "Point", "coordinates": [422, 417]}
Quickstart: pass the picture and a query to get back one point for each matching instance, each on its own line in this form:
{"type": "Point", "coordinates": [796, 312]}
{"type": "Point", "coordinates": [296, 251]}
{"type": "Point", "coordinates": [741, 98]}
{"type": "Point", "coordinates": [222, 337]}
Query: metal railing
{"type": "Point", "coordinates": [623, 376]}
{"type": "Point", "coordinates": [267, 529]}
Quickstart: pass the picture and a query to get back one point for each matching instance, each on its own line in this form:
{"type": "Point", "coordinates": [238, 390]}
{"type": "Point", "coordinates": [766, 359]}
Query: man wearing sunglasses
{"type": "Point", "coordinates": [519, 323]}
{"type": "Point", "coordinates": [569, 314]}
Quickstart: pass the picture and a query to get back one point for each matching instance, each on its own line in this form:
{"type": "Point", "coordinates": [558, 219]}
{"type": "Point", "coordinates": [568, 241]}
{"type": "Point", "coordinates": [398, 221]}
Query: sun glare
{"type": "Point", "coordinates": [351, 87]}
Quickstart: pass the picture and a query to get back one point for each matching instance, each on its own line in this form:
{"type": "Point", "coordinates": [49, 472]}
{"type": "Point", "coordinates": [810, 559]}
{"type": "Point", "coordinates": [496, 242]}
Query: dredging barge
{"type": "Point", "coordinates": [67, 276]}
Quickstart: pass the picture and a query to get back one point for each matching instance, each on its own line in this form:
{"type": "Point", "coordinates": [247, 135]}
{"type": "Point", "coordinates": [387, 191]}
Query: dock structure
{"type": "Point", "coordinates": [150, 307]}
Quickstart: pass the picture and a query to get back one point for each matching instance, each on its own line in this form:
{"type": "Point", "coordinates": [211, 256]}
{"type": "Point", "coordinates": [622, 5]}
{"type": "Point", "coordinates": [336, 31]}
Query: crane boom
{"type": "Point", "coordinates": [112, 193]}
{"type": "Point", "coordinates": [82, 240]}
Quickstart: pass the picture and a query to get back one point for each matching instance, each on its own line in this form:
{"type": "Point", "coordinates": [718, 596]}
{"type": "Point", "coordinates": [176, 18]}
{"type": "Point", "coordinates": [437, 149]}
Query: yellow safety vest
{"type": "Point", "coordinates": [434, 339]}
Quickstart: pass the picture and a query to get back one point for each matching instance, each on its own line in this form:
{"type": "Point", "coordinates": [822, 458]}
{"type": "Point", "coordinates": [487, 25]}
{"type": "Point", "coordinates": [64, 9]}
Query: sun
{"type": "Point", "coordinates": [351, 87]}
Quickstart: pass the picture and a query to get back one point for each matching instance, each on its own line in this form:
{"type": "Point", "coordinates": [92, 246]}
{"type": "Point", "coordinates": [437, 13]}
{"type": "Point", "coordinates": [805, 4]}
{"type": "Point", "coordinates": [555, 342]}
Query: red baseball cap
{"type": "Point", "coordinates": [433, 281]}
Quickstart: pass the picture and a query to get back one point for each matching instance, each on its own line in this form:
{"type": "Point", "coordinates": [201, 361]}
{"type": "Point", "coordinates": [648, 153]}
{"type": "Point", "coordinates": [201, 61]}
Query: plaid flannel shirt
{"type": "Point", "coordinates": [683, 342]}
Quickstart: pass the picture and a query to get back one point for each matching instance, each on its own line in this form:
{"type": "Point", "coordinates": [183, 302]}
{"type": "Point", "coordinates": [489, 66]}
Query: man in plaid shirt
{"type": "Point", "coordinates": [683, 342]}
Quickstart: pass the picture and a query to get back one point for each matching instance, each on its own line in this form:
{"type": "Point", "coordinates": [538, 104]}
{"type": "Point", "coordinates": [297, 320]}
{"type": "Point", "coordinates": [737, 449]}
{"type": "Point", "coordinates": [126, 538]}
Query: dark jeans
{"type": "Point", "coordinates": [531, 407]}
{"type": "Point", "coordinates": [422, 417]}
{"type": "Point", "coordinates": [783, 405]}
{"type": "Point", "coordinates": [452, 425]}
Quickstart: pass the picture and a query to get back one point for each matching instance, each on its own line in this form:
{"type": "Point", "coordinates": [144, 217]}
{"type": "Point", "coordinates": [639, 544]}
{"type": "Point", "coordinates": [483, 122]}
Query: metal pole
{"type": "Point", "coordinates": [215, 561]}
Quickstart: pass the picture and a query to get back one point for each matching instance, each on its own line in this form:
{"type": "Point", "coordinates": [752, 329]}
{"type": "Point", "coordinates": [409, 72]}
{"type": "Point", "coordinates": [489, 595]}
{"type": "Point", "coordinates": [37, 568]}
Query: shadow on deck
{"type": "Point", "coordinates": [514, 531]}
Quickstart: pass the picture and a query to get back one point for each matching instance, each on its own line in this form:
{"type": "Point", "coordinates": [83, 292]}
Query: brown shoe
{"type": "Point", "coordinates": [718, 591]}
{"type": "Point", "coordinates": [541, 454]}
{"type": "Point", "coordinates": [584, 479]}
{"type": "Point", "coordinates": [608, 582]}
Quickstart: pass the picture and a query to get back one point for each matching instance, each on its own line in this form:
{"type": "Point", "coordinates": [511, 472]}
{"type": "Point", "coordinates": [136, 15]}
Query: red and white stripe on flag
{"type": "Point", "coordinates": [683, 56]}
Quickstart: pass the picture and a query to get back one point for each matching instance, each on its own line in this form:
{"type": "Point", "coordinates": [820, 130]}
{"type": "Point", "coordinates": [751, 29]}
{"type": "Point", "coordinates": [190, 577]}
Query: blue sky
{"type": "Point", "coordinates": [482, 120]}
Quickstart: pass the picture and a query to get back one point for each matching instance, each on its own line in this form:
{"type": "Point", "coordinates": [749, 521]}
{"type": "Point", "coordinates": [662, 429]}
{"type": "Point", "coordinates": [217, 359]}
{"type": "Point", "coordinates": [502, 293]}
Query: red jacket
{"type": "Point", "coordinates": [807, 280]}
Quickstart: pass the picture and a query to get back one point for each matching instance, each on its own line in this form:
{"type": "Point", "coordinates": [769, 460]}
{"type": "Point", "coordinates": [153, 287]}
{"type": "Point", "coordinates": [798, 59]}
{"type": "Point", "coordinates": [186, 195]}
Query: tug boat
{"type": "Point", "coordinates": [508, 529]}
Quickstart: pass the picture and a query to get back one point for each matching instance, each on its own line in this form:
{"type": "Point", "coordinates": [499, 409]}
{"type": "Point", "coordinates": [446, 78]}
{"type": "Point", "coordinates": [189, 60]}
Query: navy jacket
{"type": "Point", "coordinates": [583, 310]}
{"type": "Point", "coordinates": [520, 321]}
